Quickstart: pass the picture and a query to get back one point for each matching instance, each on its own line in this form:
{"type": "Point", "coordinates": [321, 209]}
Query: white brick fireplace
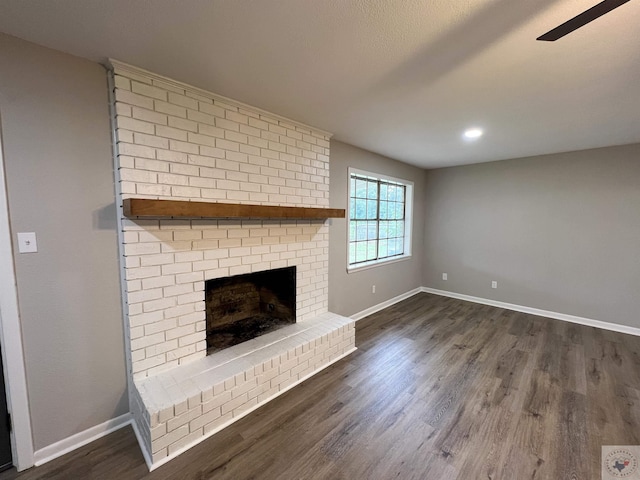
{"type": "Point", "coordinates": [176, 142]}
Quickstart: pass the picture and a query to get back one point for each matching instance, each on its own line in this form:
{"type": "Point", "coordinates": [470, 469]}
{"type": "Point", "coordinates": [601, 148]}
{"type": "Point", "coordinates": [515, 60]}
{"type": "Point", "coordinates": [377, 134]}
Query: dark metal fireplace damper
{"type": "Point", "coordinates": [243, 307]}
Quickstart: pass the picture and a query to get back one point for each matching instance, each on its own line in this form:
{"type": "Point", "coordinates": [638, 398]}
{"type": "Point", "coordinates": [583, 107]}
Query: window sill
{"type": "Point", "coordinates": [377, 263]}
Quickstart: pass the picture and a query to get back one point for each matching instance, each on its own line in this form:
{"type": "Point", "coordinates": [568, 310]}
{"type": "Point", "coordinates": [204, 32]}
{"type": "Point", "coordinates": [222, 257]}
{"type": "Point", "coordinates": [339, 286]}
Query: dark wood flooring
{"type": "Point", "coordinates": [439, 389]}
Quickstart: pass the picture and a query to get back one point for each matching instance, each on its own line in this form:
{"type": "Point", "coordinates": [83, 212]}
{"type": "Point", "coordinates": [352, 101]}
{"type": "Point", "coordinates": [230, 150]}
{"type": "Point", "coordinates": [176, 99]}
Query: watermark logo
{"type": "Point", "coordinates": [620, 461]}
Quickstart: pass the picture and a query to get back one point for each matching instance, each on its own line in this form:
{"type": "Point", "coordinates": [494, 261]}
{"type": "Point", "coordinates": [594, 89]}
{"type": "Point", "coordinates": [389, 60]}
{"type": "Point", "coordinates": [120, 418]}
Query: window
{"type": "Point", "coordinates": [379, 219]}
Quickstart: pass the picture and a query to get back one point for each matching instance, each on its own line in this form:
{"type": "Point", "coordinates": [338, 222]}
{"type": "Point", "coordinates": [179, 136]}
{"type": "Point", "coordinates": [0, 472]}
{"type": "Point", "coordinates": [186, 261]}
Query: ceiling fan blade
{"type": "Point", "coordinates": [581, 20]}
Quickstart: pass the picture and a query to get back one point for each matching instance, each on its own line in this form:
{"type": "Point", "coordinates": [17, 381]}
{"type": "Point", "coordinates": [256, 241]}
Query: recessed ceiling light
{"type": "Point", "coordinates": [473, 133]}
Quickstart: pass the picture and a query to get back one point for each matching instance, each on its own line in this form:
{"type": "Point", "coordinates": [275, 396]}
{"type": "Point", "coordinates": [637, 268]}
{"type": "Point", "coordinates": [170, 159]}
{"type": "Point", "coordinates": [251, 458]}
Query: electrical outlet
{"type": "Point", "coordinates": [494, 284]}
{"type": "Point", "coordinates": [373, 289]}
{"type": "Point", "coordinates": [444, 276]}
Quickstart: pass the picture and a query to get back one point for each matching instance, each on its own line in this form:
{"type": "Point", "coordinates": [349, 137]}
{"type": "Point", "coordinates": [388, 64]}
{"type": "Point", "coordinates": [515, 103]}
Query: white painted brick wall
{"type": "Point", "coordinates": [178, 142]}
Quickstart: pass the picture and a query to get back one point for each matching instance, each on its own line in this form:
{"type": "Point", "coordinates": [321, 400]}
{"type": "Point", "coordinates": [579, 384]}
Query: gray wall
{"type": "Point", "coordinates": [558, 232]}
{"type": "Point", "coordinates": [350, 293]}
{"type": "Point", "coordinates": [55, 126]}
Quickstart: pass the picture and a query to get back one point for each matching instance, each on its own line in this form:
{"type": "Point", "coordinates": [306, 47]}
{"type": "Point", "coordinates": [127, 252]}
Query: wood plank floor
{"type": "Point", "coordinates": [439, 389]}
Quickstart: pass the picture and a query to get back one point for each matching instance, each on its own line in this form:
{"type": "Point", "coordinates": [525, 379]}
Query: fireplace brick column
{"type": "Point", "coordinates": [175, 141]}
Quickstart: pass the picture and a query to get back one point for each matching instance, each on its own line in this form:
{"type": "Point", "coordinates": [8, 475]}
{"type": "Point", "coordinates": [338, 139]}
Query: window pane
{"type": "Point", "coordinates": [391, 229]}
{"type": "Point", "coordinates": [352, 208]}
{"type": "Point", "coordinates": [384, 209]}
{"type": "Point", "coordinates": [392, 192]}
{"type": "Point", "coordinates": [393, 247]}
{"type": "Point", "coordinates": [399, 228]}
{"type": "Point", "coordinates": [383, 191]}
{"type": "Point", "coordinates": [383, 252]}
{"type": "Point", "coordinates": [361, 251]}
{"type": "Point", "coordinates": [384, 229]}
{"type": "Point", "coordinates": [399, 210]}
{"type": "Point", "coordinates": [352, 253]}
{"type": "Point", "coordinates": [361, 209]}
{"type": "Point", "coordinates": [372, 230]}
{"type": "Point", "coordinates": [361, 231]}
{"type": "Point", "coordinates": [372, 190]}
{"type": "Point", "coordinates": [392, 211]}
{"type": "Point", "coordinates": [371, 250]}
{"type": "Point", "coordinates": [361, 188]}
{"type": "Point", "coordinates": [352, 231]}
{"type": "Point", "coordinates": [372, 209]}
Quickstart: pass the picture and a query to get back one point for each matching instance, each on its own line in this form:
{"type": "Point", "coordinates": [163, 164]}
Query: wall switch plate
{"type": "Point", "coordinates": [494, 284]}
{"type": "Point", "coordinates": [444, 276]}
{"type": "Point", "coordinates": [373, 289]}
{"type": "Point", "coordinates": [27, 242]}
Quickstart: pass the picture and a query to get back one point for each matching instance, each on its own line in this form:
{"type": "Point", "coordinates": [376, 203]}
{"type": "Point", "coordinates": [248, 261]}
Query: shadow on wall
{"type": "Point", "coordinates": [105, 218]}
{"type": "Point", "coordinates": [213, 231]}
{"type": "Point", "coordinates": [122, 405]}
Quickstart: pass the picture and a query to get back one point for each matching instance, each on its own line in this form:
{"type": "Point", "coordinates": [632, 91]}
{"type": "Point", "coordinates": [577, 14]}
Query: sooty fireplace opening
{"type": "Point", "coordinates": [243, 307]}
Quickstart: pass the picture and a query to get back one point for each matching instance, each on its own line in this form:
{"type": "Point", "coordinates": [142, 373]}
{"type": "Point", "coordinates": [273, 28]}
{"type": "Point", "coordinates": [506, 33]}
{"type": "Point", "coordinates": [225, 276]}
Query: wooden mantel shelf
{"type": "Point", "coordinates": [147, 208]}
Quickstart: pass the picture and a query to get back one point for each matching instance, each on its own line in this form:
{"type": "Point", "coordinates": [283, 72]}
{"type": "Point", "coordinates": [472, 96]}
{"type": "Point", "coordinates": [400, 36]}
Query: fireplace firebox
{"type": "Point", "coordinates": [243, 307]}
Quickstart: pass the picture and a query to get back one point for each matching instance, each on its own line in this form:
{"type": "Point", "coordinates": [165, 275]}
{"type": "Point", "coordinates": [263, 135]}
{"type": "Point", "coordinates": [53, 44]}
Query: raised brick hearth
{"type": "Point", "coordinates": [189, 403]}
{"type": "Point", "coordinates": [174, 141]}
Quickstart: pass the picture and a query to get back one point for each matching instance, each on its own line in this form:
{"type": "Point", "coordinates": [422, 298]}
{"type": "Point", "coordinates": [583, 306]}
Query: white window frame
{"type": "Point", "coordinates": [408, 220]}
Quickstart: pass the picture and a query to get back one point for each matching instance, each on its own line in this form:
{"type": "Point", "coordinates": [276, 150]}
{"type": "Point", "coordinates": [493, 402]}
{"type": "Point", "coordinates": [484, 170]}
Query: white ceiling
{"type": "Point", "coordinates": [402, 78]}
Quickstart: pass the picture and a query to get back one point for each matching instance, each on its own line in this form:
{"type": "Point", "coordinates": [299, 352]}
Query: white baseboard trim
{"type": "Point", "coordinates": [159, 463]}
{"type": "Point", "coordinates": [381, 306]}
{"type": "Point", "coordinates": [80, 439]}
{"type": "Point", "coordinates": [589, 322]}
